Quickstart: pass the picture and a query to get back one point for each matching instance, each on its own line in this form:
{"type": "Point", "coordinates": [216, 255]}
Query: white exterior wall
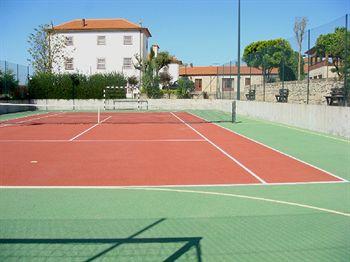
{"type": "Point", "coordinates": [210, 83]}
{"type": "Point", "coordinates": [85, 51]}
{"type": "Point", "coordinates": [173, 71]}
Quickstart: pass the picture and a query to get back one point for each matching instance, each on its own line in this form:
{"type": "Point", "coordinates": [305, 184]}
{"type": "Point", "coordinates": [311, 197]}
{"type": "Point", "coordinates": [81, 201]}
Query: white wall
{"type": "Point", "coordinates": [326, 119]}
{"type": "Point", "coordinates": [173, 71]}
{"type": "Point", "coordinates": [333, 120]}
{"type": "Point", "coordinates": [85, 51]}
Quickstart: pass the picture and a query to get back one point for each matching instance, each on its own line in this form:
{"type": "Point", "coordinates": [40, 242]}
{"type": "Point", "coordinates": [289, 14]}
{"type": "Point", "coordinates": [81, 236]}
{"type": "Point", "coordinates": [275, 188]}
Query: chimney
{"type": "Point", "coordinates": [83, 22]}
{"type": "Point", "coordinates": [155, 49]}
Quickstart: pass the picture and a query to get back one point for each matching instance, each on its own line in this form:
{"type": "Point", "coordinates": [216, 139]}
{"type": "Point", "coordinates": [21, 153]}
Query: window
{"type": "Point", "coordinates": [227, 83]}
{"type": "Point", "coordinates": [101, 63]}
{"type": "Point", "coordinates": [101, 40]}
{"type": "Point", "coordinates": [319, 76]}
{"type": "Point", "coordinates": [127, 63]}
{"type": "Point", "coordinates": [68, 64]}
{"type": "Point", "coordinates": [127, 40]}
{"type": "Point", "coordinates": [69, 40]}
{"type": "Point", "coordinates": [247, 81]}
{"type": "Point", "coordinates": [198, 84]}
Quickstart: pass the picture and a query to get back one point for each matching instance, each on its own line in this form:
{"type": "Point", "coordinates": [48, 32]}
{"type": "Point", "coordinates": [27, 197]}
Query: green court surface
{"type": "Point", "coordinates": [304, 222]}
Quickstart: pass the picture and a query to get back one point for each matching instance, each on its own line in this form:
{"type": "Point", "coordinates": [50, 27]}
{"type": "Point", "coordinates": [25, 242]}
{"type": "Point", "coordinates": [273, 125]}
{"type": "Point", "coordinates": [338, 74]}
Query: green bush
{"type": "Point", "coordinates": [9, 86]}
{"type": "Point", "coordinates": [150, 85]}
{"type": "Point", "coordinates": [77, 86]}
{"type": "Point", "coordinates": [185, 87]}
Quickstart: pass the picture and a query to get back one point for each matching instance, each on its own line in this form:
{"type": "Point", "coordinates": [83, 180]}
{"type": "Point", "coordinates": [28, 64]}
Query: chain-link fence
{"type": "Point", "coordinates": [13, 80]}
{"type": "Point", "coordinates": [312, 66]}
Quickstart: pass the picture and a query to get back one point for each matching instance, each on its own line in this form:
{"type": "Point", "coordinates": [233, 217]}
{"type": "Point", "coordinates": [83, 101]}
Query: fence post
{"type": "Point", "coordinates": [217, 82]}
{"type": "Point", "coordinates": [233, 111]}
{"type": "Point", "coordinates": [346, 60]}
{"type": "Point", "coordinates": [231, 82]}
{"type": "Point", "coordinates": [283, 59]}
{"type": "Point", "coordinates": [222, 82]}
{"type": "Point", "coordinates": [239, 52]}
{"type": "Point", "coordinates": [5, 85]}
{"type": "Point", "coordinates": [17, 73]}
{"type": "Point", "coordinates": [308, 67]}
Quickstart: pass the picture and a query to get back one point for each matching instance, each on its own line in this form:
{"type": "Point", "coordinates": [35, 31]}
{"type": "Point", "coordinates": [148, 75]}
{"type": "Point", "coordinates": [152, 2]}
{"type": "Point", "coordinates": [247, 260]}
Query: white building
{"type": "Point", "coordinates": [101, 46]}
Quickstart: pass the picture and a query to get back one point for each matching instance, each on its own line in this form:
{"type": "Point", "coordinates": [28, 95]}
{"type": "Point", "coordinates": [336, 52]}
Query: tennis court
{"type": "Point", "coordinates": [166, 186]}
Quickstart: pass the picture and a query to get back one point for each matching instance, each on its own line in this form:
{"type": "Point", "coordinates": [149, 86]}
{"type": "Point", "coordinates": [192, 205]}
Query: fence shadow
{"type": "Point", "coordinates": [183, 244]}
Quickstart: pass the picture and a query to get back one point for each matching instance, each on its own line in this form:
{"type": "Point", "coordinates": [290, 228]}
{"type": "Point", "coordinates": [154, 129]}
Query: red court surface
{"type": "Point", "coordinates": [140, 149]}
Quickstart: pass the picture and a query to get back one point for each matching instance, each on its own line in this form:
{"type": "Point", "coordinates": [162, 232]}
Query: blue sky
{"type": "Point", "coordinates": [202, 32]}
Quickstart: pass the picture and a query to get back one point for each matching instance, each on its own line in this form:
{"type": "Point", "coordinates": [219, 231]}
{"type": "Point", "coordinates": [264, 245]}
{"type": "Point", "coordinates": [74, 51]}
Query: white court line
{"type": "Point", "coordinates": [221, 150]}
{"type": "Point", "coordinates": [28, 120]}
{"type": "Point", "coordinates": [14, 118]}
{"type": "Point", "coordinates": [326, 210]}
{"type": "Point", "coordinates": [106, 140]}
{"type": "Point", "coordinates": [178, 186]}
{"type": "Point", "coordinates": [246, 197]}
{"type": "Point", "coordinates": [274, 149]}
{"type": "Point", "coordinates": [91, 127]}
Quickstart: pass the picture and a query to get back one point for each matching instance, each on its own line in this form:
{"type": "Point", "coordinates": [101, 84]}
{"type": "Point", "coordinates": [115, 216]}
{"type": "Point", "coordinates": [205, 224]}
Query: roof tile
{"type": "Point", "coordinates": [100, 24]}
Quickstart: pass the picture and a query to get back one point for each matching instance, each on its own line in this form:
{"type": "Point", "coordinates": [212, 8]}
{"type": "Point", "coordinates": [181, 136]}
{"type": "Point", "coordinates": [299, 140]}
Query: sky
{"type": "Point", "coordinates": [202, 32]}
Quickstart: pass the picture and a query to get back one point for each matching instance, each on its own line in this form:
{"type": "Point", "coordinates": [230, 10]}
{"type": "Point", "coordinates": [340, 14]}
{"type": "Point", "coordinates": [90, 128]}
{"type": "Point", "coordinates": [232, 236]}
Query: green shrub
{"type": "Point", "coordinates": [77, 86]}
{"type": "Point", "coordinates": [150, 85]}
{"type": "Point", "coordinates": [9, 86]}
{"type": "Point", "coordinates": [185, 87]}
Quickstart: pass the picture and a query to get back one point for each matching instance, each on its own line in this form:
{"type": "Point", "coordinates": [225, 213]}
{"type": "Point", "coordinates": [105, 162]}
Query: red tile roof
{"type": "Point", "coordinates": [100, 24]}
{"type": "Point", "coordinates": [214, 70]}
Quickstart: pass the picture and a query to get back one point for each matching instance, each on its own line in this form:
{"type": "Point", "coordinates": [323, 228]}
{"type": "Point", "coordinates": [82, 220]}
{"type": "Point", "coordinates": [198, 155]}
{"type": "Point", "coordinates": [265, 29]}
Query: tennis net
{"type": "Point", "coordinates": [117, 113]}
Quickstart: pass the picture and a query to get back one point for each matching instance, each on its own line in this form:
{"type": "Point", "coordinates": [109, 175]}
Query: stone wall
{"type": "Point", "coordinates": [319, 88]}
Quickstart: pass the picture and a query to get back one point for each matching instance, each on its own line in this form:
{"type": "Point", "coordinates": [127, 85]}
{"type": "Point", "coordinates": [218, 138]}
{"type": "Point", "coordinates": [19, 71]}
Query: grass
{"type": "Point", "coordinates": [141, 225]}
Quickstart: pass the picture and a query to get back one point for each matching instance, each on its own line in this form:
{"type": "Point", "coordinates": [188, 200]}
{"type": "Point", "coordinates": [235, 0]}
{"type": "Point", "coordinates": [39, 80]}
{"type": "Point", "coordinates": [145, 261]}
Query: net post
{"type": "Point", "coordinates": [104, 97]}
{"type": "Point", "coordinates": [98, 114]}
{"type": "Point", "coordinates": [233, 112]}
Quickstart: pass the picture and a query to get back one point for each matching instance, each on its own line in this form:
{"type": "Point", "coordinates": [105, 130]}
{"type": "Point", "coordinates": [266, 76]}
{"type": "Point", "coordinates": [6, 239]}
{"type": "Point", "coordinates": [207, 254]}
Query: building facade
{"type": "Point", "coordinates": [101, 46]}
{"type": "Point", "coordinates": [320, 67]}
{"type": "Point", "coordinates": [221, 82]}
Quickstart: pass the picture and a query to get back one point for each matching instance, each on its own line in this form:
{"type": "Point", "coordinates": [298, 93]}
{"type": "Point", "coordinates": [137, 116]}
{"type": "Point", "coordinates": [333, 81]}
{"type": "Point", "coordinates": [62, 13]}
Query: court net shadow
{"type": "Point", "coordinates": [92, 249]}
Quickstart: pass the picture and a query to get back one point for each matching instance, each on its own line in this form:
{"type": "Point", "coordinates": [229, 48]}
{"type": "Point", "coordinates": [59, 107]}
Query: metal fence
{"type": "Point", "coordinates": [315, 69]}
{"type": "Point", "coordinates": [13, 79]}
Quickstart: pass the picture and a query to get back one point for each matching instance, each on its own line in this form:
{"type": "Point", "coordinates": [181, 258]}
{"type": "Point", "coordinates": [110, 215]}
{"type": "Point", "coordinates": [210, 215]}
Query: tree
{"type": "Point", "coordinates": [290, 68]}
{"type": "Point", "coordinates": [267, 55]}
{"type": "Point", "coordinates": [8, 84]}
{"type": "Point", "coordinates": [165, 79]}
{"type": "Point", "coordinates": [150, 85]}
{"type": "Point", "coordinates": [161, 60]}
{"type": "Point", "coordinates": [46, 48]}
{"type": "Point", "coordinates": [332, 46]}
{"type": "Point", "coordinates": [132, 81]}
{"type": "Point", "coordinates": [299, 31]}
{"type": "Point", "coordinates": [150, 68]}
{"type": "Point", "coordinates": [185, 87]}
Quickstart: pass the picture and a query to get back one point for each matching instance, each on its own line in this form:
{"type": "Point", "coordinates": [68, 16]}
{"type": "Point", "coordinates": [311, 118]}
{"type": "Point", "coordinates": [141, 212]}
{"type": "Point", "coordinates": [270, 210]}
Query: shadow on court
{"type": "Point", "coordinates": [91, 249]}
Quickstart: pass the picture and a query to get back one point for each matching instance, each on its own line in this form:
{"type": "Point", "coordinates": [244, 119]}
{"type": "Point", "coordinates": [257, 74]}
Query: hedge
{"type": "Point", "coordinates": [75, 86]}
{"type": "Point", "coordinates": [9, 88]}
